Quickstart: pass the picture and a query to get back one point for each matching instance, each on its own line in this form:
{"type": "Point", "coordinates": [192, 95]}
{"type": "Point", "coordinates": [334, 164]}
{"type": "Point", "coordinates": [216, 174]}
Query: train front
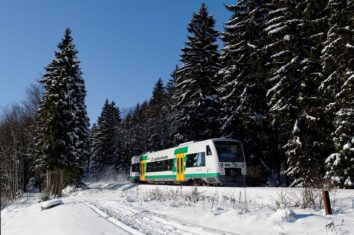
{"type": "Point", "coordinates": [232, 162]}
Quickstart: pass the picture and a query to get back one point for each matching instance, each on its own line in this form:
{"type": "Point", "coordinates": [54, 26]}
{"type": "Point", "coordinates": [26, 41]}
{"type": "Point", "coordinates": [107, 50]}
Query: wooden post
{"type": "Point", "coordinates": [326, 202]}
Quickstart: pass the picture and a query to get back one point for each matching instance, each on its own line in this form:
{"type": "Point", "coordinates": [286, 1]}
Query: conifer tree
{"type": "Point", "coordinates": [62, 122]}
{"type": "Point", "coordinates": [126, 133]}
{"type": "Point", "coordinates": [139, 129]}
{"type": "Point", "coordinates": [157, 121]}
{"type": "Point", "coordinates": [169, 109]}
{"type": "Point", "coordinates": [308, 146]}
{"type": "Point", "coordinates": [283, 69]}
{"type": "Point", "coordinates": [106, 145]}
{"type": "Point", "coordinates": [195, 95]}
{"type": "Point", "coordinates": [242, 90]}
{"type": "Point", "coordinates": [337, 87]}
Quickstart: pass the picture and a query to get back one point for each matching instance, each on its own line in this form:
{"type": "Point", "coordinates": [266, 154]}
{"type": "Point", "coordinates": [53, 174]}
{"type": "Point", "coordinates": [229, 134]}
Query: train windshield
{"type": "Point", "coordinates": [229, 151]}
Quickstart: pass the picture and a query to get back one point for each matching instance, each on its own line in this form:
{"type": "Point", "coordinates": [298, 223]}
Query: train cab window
{"type": "Point", "coordinates": [229, 151]}
{"type": "Point", "coordinates": [208, 150]}
{"type": "Point", "coordinates": [196, 160]}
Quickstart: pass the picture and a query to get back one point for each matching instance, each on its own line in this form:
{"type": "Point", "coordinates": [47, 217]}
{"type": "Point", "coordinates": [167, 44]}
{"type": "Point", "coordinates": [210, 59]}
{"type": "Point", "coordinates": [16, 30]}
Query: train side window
{"type": "Point", "coordinates": [208, 150]}
{"type": "Point", "coordinates": [195, 160]}
{"type": "Point", "coordinates": [165, 165]}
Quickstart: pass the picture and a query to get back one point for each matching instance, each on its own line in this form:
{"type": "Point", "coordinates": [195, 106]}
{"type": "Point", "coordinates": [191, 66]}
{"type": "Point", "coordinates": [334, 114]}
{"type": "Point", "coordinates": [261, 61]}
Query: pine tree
{"type": "Point", "coordinates": [195, 95]}
{"type": "Point", "coordinates": [242, 90]}
{"type": "Point", "coordinates": [169, 109]}
{"type": "Point", "coordinates": [126, 133]}
{"type": "Point", "coordinates": [62, 122]}
{"type": "Point", "coordinates": [157, 121]}
{"type": "Point", "coordinates": [106, 145]}
{"type": "Point", "coordinates": [139, 129]}
{"type": "Point", "coordinates": [283, 69]}
{"type": "Point", "coordinates": [310, 143]}
{"type": "Point", "coordinates": [337, 86]}
{"type": "Point", "coordinates": [92, 138]}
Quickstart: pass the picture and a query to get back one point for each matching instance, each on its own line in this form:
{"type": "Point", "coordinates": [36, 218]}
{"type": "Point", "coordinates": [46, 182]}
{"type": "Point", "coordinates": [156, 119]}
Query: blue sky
{"type": "Point", "coordinates": [124, 46]}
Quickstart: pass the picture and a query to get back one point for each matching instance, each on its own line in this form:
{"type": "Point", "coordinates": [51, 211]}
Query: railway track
{"type": "Point", "coordinates": [142, 221]}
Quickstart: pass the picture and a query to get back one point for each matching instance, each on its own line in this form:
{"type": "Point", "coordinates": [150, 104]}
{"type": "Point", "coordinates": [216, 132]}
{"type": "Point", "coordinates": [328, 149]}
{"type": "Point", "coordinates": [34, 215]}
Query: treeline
{"type": "Point", "coordinates": [282, 84]}
{"type": "Point", "coordinates": [17, 146]}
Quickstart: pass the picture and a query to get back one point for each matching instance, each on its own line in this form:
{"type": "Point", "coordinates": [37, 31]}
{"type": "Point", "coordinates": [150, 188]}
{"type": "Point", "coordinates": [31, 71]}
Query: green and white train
{"type": "Point", "coordinates": [219, 161]}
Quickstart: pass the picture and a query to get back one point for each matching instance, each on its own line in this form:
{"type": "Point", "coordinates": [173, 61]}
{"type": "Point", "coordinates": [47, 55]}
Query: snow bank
{"type": "Point", "coordinates": [51, 203]}
{"type": "Point", "coordinates": [283, 215]}
{"type": "Point", "coordinates": [170, 209]}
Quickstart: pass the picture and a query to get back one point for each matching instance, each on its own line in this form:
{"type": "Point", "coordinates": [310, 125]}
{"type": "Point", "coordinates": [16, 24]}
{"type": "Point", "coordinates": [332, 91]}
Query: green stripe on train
{"type": "Point", "coordinates": [195, 175]}
{"type": "Point", "coordinates": [201, 175]}
{"type": "Point", "coordinates": [181, 150]}
{"type": "Point", "coordinates": [144, 157]}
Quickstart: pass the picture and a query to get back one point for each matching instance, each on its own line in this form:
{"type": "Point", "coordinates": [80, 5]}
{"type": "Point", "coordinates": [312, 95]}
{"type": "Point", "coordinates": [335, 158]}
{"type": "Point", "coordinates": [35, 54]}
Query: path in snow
{"type": "Point", "coordinates": [147, 222]}
{"type": "Point", "coordinates": [73, 217]}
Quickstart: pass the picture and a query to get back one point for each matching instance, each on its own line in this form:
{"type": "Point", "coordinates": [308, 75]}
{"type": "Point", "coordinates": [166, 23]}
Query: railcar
{"type": "Point", "coordinates": [219, 161]}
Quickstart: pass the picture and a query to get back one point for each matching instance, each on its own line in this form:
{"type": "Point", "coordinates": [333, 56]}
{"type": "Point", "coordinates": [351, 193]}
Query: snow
{"type": "Point", "coordinates": [278, 10]}
{"type": "Point", "coordinates": [298, 141]}
{"type": "Point", "coordinates": [283, 215]}
{"type": "Point", "coordinates": [276, 30]}
{"type": "Point", "coordinates": [350, 183]}
{"type": "Point", "coordinates": [296, 128]}
{"type": "Point", "coordinates": [51, 203]}
{"type": "Point", "coordinates": [311, 118]}
{"type": "Point", "coordinates": [125, 208]}
{"type": "Point", "coordinates": [281, 53]}
{"type": "Point", "coordinates": [70, 218]}
{"type": "Point", "coordinates": [347, 146]}
{"type": "Point", "coordinates": [349, 46]}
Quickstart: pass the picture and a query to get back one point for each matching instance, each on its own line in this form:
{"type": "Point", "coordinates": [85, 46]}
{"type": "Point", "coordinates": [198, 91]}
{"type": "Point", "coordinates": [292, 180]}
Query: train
{"type": "Point", "coordinates": [218, 161]}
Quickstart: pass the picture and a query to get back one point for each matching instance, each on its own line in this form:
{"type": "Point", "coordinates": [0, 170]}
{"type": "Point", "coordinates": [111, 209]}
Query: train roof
{"type": "Point", "coordinates": [226, 138]}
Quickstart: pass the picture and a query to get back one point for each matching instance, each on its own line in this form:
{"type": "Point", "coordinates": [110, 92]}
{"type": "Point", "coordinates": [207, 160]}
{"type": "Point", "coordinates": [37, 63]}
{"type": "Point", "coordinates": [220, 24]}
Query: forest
{"type": "Point", "coordinates": [282, 83]}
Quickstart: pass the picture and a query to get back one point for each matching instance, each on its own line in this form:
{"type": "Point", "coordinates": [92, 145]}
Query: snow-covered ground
{"type": "Point", "coordinates": [112, 208]}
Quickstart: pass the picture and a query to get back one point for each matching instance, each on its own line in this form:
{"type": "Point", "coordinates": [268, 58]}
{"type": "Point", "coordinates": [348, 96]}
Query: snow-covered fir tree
{"type": "Point", "coordinates": [311, 143]}
{"type": "Point", "coordinates": [139, 129]}
{"type": "Point", "coordinates": [62, 122]}
{"type": "Point", "coordinates": [169, 109]}
{"type": "Point", "coordinates": [106, 145]}
{"type": "Point", "coordinates": [283, 69]}
{"type": "Point", "coordinates": [242, 86]}
{"type": "Point", "coordinates": [195, 93]}
{"type": "Point", "coordinates": [126, 133]}
{"type": "Point", "coordinates": [338, 88]}
{"type": "Point", "coordinates": [157, 118]}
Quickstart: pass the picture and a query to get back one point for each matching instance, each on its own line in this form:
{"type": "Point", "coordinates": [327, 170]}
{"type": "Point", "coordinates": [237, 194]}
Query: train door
{"type": "Point", "coordinates": [180, 163]}
{"type": "Point", "coordinates": [142, 168]}
{"type": "Point", "coordinates": [142, 171]}
{"type": "Point", "coordinates": [179, 167]}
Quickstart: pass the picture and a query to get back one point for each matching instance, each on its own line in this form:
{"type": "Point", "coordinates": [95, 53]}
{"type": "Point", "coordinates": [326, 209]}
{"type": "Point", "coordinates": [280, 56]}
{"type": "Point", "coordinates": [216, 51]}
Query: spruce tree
{"type": "Point", "coordinates": [139, 129]}
{"type": "Point", "coordinates": [169, 109]}
{"type": "Point", "coordinates": [195, 95]}
{"type": "Point", "coordinates": [126, 133]}
{"type": "Point", "coordinates": [106, 145]}
{"type": "Point", "coordinates": [157, 118]}
{"type": "Point", "coordinates": [62, 122]}
{"type": "Point", "coordinates": [309, 144]}
{"type": "Point", "coordinates": [283, 70]}
{"type": "Point", "coordinates": [242, 90]}
{"type": "Point", "coordinates": [337, 87]}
